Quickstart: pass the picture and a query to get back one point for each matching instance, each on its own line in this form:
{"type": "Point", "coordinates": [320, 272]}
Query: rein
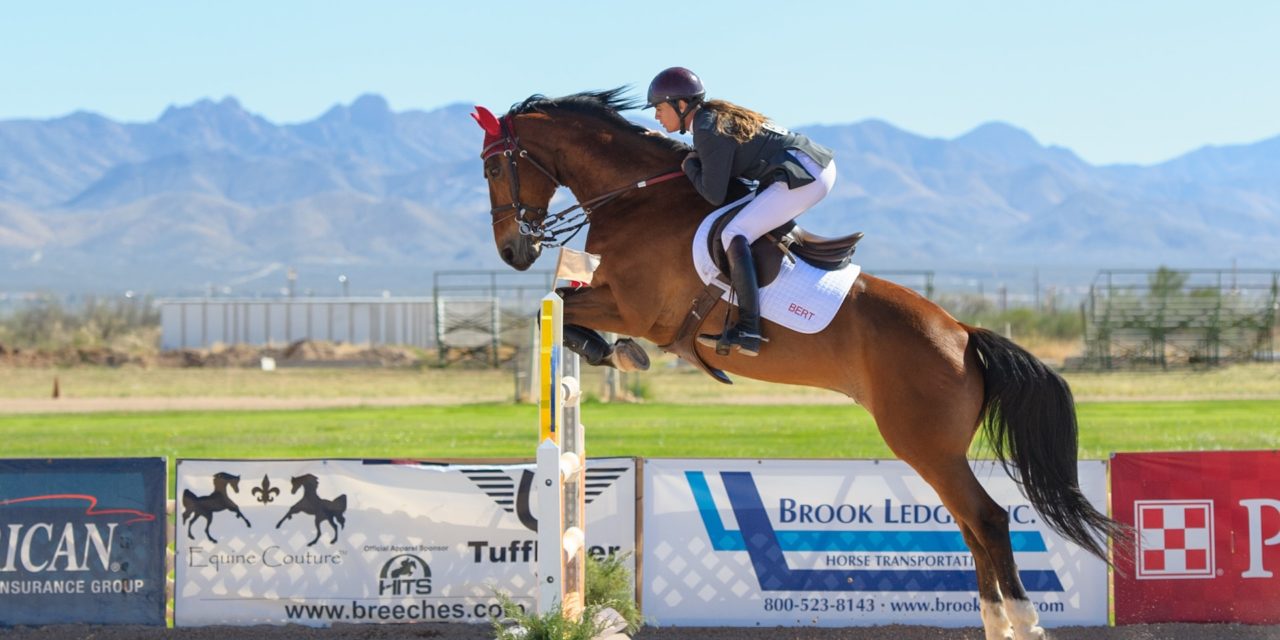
{"type": "Point", "coordinates": [551, 226]}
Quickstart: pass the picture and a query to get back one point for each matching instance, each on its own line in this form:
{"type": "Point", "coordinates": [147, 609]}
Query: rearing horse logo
{"type": "Point", "coordinates": [311, 502]}
{"type": "Point", "coordinates": [195, 507]}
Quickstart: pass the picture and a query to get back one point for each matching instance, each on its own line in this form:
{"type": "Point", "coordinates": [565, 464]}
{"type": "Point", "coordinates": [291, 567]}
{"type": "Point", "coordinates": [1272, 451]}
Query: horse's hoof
{"type": "Point", "coordinates": [629, 356]}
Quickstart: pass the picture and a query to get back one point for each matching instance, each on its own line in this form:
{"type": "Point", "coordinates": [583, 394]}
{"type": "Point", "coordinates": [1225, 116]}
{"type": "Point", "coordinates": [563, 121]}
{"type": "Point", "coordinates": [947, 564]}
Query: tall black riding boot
{"type": "Point", "coordinates": [745, 335]}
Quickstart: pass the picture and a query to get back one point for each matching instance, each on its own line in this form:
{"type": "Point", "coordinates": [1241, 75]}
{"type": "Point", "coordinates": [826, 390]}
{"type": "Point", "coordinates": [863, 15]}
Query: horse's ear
{"type": "Point", "coordinates": [487, 121]}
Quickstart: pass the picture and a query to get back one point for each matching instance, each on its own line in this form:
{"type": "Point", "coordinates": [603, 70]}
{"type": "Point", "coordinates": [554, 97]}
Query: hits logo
{"type": "Point", "coordinates": [405, 575]}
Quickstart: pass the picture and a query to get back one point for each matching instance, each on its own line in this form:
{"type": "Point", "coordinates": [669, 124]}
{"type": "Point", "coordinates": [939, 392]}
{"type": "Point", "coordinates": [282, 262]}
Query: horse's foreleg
{"type": "Point", "coordinates": [288, 515]}
{"type": "Point", "coordinates": [623, 355]}
{"type": "Point", "coordinates": [596, 308]}
{"type": "Point", "coordinates": [241, 516]}
{"type": "Point", "coordinates": [317, 538]}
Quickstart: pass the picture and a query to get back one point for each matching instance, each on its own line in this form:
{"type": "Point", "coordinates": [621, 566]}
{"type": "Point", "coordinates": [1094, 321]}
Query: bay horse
{"type": "Point", "coordinates": [928, 380]}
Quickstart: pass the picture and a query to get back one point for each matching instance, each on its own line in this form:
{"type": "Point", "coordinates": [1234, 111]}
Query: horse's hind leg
{"type": "Point", "coordinates": [208, 521]}
{"type": "Point", "coordinates": [932, 435]}
{"type": "Point", "coordinates": [1006, 611]}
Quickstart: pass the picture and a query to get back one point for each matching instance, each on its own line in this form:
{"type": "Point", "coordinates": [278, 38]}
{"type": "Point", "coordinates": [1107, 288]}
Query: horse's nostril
{"type": "Point", "coordinates": [508, 256]}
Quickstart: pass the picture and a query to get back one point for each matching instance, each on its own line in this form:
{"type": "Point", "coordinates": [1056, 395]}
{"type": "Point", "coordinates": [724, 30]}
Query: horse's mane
{"type": "Point", "coordinates": [604, 105]}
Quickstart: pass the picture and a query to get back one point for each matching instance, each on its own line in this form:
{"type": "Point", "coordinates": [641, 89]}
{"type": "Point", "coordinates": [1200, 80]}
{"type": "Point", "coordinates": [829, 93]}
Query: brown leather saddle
{"type": "Point", "coordinates": [828, 254]}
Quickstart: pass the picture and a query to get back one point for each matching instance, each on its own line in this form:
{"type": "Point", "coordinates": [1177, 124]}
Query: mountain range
{"type": "Point", "coordinates": [213, 197]}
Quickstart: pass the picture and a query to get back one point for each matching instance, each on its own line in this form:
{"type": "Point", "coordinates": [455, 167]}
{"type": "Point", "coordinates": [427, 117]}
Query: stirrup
{"type": "Point", "coordinates": [747, 343]}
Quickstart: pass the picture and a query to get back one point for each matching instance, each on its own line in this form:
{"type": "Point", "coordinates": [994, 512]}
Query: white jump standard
{"type": "Point", "coordinates": [561, 466]}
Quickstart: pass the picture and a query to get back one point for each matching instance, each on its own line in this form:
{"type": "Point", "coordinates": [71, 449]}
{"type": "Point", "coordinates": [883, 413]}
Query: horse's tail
{"type": "Point", "coordinates": [1029, 419]}
{"type": "Point", "coordinates": [188, 500]}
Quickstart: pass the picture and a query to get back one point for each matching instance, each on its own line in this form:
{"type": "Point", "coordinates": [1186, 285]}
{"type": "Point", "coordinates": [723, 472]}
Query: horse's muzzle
{"type": "Point", "coordinates": [521, 253]}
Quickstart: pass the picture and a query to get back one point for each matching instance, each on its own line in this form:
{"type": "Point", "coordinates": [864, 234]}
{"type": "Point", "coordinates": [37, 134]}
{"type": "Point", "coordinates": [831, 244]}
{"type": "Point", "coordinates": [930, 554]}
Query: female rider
{"type": "Point", "coordinates": [731, 142]}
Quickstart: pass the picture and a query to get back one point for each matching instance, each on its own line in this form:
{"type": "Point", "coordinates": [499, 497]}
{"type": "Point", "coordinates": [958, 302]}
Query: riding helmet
{"type": "Point", "coordinates": [676, 83]}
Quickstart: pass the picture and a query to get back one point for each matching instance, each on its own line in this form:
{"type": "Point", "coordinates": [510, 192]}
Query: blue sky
{"type": "Point", "coordinates": [1136, 82]}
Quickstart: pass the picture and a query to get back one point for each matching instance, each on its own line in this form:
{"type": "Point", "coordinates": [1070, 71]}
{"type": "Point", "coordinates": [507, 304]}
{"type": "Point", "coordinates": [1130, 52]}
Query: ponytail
{"type": "Point", "coordinates": [739, 123]}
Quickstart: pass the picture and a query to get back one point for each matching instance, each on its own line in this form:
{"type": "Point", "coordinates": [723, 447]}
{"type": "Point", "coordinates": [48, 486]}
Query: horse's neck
{"type": "Point", "coordinates": [592, 169]}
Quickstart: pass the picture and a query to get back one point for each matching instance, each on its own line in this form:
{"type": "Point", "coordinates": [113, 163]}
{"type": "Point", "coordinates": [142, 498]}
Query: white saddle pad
{"type": "Point", "coordinates": [802, 298]}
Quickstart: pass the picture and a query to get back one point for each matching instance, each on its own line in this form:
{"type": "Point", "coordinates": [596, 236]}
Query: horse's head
{"type": "Point", "coordinates": [222, 479]}
{"type": "Point", "coordinates": [303, 481]}
{"type": "Point", "coordinates": [520, 189]}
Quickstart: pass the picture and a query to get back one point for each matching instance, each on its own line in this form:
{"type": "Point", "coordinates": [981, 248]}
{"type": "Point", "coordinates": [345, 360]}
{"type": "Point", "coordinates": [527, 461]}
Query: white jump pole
{"type": "Point", "coordinates": [561, 477]}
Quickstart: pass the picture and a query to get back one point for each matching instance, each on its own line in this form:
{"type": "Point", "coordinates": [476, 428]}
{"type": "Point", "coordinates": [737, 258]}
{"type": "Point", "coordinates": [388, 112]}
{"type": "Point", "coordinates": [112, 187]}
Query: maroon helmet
{"type": "Point", "coordinates": [676, 83]}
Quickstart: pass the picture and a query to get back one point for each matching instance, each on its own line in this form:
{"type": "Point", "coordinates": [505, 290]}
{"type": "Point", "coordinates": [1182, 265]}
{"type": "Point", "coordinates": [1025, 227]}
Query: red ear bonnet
{"type": "Point", "coordinates": [487, 121]}
{"type": "Point", "coordinates": [492, 126]}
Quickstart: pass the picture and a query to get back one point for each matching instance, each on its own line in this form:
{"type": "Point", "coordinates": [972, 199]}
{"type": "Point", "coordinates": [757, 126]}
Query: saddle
{"type": "Point", "coordinates": [828, 254]}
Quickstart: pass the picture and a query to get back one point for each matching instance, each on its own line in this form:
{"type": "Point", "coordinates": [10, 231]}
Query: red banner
{"type": "Point", "coordinates": [1208, 536]}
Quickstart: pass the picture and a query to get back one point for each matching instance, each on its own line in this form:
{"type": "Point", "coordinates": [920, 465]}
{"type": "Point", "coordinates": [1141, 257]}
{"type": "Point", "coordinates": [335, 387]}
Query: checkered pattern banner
{"type": "Point", "coordinates": [1206, 536]}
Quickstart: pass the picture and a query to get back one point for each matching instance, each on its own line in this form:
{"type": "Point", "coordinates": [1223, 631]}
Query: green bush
{"type": "Point", "coordinates": [552, 625]}
{"type": "Point", "coordinates": [609, 584]}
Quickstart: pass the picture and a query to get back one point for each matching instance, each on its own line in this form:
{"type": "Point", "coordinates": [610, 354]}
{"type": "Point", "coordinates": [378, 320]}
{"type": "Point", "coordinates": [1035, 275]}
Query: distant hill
{"type": "Point", "coordinates": [211, 196]}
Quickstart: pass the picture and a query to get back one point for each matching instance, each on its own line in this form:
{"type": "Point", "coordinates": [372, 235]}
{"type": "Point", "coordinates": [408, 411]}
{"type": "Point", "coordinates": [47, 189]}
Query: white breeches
{"type": "Point", "coordinates": [778, 204]}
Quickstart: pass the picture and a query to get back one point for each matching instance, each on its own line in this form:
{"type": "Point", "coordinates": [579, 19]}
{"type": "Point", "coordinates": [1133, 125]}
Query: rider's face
{"type": "Point", "coordinates": [666, 116]}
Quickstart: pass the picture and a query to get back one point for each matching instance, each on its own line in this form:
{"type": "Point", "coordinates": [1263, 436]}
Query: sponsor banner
{"type": "Point", "coordinates": [1207, 531]}
{"type": "Point", "coordinates": [842, 543]}
{"type": "Point", "coordinates": [314, 542]}
{"type": "Point", "coordinates": [82, 541]}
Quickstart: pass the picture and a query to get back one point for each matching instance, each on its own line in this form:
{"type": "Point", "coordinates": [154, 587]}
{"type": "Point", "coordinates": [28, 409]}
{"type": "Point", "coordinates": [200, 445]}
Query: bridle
{"type": "Point", "coordinates": [538, 222]}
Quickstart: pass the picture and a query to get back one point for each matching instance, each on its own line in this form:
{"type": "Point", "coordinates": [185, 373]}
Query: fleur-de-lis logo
{"type": "Point", "coordinates": [266, 493]}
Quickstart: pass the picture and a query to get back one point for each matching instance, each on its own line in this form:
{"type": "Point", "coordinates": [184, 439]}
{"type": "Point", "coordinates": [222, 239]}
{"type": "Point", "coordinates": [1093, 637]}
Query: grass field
{"type": "Point", "coordinates": [648, 430]}
{"type": "Point", "coordinates": [665, 383]}
{"type": "Point", "coordinates": [470, 414]}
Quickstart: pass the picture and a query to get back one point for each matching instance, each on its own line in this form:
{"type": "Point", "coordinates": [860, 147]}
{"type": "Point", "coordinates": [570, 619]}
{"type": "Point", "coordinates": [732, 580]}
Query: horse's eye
{"type": "Point", "coordinates": [493, 171]}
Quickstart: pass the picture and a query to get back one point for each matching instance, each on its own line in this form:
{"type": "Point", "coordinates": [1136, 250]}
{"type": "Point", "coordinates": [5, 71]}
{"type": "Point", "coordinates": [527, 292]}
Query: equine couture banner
{"type": "Point", "coordinates": [841, 543]}
{"type": "Point", "coordinates": [82, 541]}
{"type": "Point", "coordinates": [314, 542]}
{"type": "Point", "coordinates": [1207, 533]}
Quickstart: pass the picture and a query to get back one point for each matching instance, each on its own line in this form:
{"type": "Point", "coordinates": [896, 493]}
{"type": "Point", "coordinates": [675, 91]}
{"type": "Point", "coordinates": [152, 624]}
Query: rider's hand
{"type": "Point", "coordinates": [692, 156]}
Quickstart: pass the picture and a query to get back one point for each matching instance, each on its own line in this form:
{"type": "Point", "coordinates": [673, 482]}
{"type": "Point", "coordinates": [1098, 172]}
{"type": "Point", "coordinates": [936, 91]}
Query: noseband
{"type": "Point", "coordinates": [538, 222]}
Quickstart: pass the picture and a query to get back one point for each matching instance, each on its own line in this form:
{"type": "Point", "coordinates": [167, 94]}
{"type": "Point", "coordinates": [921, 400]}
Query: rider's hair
{"type": "Point", "coordinates": [740, 123]}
